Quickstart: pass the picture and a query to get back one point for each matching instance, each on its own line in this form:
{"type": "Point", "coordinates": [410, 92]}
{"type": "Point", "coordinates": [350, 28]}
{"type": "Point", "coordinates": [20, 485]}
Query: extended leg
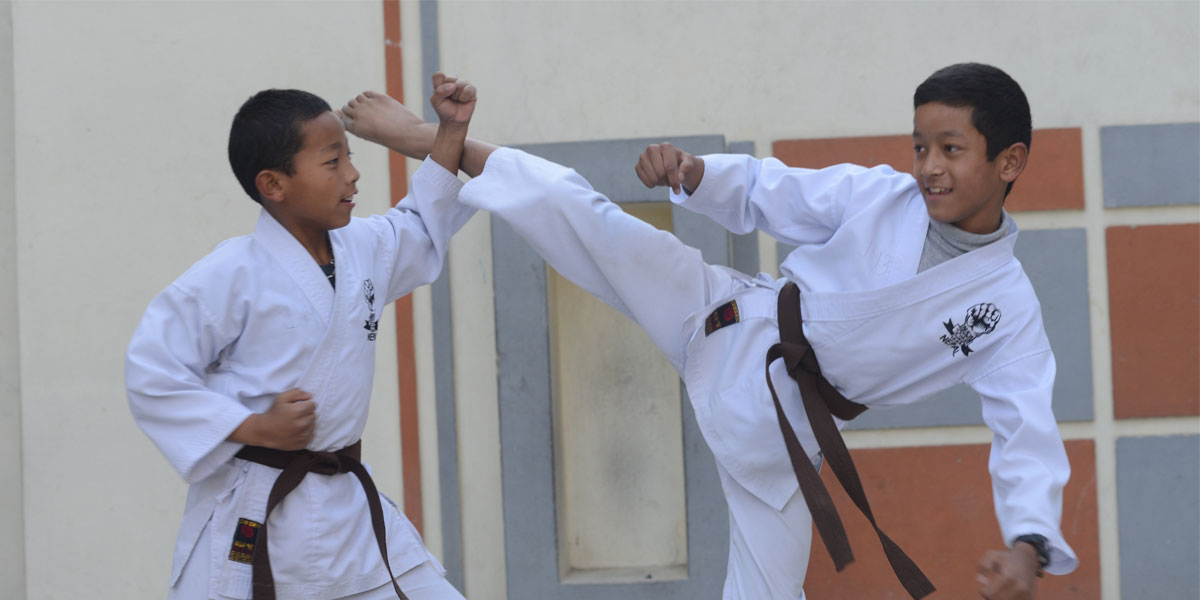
{"type": "Point", "coordinates": [768, 549]}
{"type": "Point", "coordinates": [647, 274]}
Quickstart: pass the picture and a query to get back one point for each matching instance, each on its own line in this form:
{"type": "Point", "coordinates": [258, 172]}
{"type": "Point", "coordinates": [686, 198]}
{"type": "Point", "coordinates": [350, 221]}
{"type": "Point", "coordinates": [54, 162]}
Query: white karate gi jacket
{"type": "Point", "coordinates": [883, 334]}
{"type": "Point", "coordinates": [253, 319]}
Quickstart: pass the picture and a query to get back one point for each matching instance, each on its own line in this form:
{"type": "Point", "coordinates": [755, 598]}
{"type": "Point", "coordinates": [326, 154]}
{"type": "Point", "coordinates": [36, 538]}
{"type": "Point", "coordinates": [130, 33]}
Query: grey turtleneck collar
{"type": "Point", "coordinates": [944, 241]}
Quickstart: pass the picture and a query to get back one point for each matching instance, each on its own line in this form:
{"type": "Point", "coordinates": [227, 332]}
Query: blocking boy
{"type": "Point", "coordinates": [252, 372]}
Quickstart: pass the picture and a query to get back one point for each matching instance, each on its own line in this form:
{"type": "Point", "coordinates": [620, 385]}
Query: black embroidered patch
{"type": "Point", "coordinates": [725, 315]}
{"type": "Point", "coordinates": [372, 324]}
{"type": "Point", "coordinates": [981, 319]}
{"type": "Point", "coordinates": [243, 541]}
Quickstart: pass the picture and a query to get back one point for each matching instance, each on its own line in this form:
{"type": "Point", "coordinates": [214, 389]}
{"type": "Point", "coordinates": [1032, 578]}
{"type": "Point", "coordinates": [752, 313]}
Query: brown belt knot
{"type": "Point", "coordinates": [821, 402]}
{"type": "Point", "coordinates": [294, 466]}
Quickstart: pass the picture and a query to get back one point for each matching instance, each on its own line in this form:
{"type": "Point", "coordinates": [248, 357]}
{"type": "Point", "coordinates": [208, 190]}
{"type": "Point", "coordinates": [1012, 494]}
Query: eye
{"type": "Point", "coordinates": [950, 148]}
{"type": "Point", "coordinates": [332, 162]}
{"type": "Point", "coordinates": [918, 148]}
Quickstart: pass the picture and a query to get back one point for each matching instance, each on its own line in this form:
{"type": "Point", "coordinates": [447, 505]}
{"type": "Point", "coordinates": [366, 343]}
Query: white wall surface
{"type": "Point", "coordinates": [12, 528]}
{"type": "Point", "coordinates": [122, 113]}
{"type": "Point", "coordinates": [554, 71]}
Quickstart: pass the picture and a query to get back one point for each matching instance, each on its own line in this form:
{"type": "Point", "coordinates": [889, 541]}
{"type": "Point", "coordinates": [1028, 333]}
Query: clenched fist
{"type": "Point", "coordinates": [453, 99]}
{"type": "Point", "coordinates": [664, 164]}
{"type": "Point", "coordinates": [288, 425]}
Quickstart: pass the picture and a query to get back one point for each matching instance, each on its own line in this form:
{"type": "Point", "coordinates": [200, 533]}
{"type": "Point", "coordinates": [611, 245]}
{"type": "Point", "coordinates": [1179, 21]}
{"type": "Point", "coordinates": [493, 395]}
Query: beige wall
{"type": "Point", "coordinates": [12, 528]}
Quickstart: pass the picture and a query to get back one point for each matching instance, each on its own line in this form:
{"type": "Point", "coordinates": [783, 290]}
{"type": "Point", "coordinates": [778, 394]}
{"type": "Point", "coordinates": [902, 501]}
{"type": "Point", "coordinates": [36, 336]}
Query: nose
{"type": "Point", "coordinates": [930, 165]}
{"type": "Point", "coordinates": [352, 175]}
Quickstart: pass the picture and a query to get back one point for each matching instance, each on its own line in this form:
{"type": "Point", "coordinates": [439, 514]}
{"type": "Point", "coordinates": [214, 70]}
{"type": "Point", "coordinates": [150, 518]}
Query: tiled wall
{"type": "Point", "coordinates": [1127, 404]}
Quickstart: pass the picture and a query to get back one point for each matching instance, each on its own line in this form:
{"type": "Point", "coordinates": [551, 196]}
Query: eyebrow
{"type": "Point", "coordinates": [331, 146]}
{"type": "Point", "coordinates": [942, 134]}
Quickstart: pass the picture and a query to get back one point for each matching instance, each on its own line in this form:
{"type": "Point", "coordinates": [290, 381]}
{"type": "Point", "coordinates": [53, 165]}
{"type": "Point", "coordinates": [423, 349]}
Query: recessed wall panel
{"type": "Point", "coordinates": [622, 514]}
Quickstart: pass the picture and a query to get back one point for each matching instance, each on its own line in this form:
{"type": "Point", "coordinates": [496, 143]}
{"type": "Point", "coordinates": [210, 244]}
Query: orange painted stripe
{"type": "Point", "coordinates": [406, 367]}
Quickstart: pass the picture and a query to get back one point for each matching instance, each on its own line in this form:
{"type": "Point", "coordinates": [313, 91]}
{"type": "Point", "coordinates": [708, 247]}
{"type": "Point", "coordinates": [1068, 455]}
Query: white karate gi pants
{"type": "Point", "coordinates": [768, 549]}
{"type": "Point", "coordinates": [424, 582]}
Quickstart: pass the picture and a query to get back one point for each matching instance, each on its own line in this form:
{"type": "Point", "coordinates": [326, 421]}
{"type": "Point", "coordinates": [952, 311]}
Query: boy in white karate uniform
{"type": "Point", "coordinates": [906, 285]}
{"type": "Point", "coordinates": [252, 372]}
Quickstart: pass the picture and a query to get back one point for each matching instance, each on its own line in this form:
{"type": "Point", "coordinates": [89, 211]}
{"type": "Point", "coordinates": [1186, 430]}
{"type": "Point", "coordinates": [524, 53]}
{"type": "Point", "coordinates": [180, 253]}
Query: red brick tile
{"type": "Point", "coordinates": [936, 502]}
{"type": "Point", "coordinates": [1053, 180]}
{"type": "Point", "coordinates": [1154, 314]}
{"type": "Point", "coordinates": [893, 150]}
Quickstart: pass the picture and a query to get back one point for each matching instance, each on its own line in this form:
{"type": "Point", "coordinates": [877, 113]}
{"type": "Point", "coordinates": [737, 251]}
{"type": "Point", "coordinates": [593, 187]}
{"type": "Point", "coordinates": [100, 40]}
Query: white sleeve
{"type": "Point", "coordinates": [1028, 462]}
{"type": "Point", "coordinates": [793, 205]}
{"type": "Point", "coordinates": [416, 232]}
{"type": "Point", "coordinates": [164, 377]}
{"type": "Point", "coordinates": [645, 273]}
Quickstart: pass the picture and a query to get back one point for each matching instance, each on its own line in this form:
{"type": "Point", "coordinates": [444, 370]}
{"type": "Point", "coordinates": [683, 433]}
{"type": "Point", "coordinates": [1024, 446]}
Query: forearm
{"type": "Point", "coordinates": [249, 432]}
{"type": "Point", "coordinates": [448, 145]}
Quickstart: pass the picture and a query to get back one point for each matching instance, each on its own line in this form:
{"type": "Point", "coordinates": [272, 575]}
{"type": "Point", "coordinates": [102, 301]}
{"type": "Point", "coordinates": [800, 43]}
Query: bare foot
{"type": "Point", "coordinates": [379, 118]}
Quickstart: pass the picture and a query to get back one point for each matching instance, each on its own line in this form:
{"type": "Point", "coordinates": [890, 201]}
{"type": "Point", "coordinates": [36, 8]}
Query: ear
{"type": "Point", "coordinates": [270, 186]}
{"type": "Point", "coordinates": [1012, 161]}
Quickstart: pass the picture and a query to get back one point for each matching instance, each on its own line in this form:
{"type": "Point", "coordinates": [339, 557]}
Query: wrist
{"type": "Point", "coordinates": [448, 146]}
{"type": "Point", "coordinates": [691, 181]}
{"type": "Point", "coordinates": [453, 127]}
{"type": "Point", "coordinates": [249, 432]}
{"type": "Point", "coordinates": [1034, 547]}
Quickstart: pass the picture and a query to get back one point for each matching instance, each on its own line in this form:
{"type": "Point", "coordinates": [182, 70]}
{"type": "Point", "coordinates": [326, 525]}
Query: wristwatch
{"type": "Point", "coordinates": [1039, 544]}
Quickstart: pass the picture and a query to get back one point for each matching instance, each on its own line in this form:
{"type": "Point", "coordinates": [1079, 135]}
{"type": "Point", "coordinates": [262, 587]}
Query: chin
{"type": "Point", "coordinates": [939, 216]}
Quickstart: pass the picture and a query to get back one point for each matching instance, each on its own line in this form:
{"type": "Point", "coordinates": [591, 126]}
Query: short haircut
{"type": "Point", "coordinates": [999, 109]}
{"type": "Point", "coordinates": [266, 133]}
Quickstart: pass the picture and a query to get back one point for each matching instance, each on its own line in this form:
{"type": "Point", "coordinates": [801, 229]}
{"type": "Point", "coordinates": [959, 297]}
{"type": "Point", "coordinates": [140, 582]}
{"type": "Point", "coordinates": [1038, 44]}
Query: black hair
{"type": "Point", "coordinates": [999, 109]}
{"type": "Point", "coordinates": [266, 133]}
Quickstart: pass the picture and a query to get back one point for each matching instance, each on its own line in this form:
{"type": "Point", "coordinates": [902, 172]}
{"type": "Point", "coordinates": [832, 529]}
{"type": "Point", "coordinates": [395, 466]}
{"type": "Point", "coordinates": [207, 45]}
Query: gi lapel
{"type": "Point", "coordinates": [932, 282]}
{"type": "Point", "coordinates": [298, 264]}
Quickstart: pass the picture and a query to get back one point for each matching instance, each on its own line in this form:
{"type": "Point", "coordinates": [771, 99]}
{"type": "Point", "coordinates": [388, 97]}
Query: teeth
{"type": "Point", "coordinates": [938, 190]}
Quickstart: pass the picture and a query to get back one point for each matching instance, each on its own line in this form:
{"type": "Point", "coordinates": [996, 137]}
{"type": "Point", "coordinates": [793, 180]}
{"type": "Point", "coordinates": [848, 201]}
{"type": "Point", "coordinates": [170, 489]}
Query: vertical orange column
{"type": "Point", "coordinates": [405, 352]}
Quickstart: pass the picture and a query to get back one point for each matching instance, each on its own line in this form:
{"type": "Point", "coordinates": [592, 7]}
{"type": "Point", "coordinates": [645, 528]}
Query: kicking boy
{"type": "Point", "coordinates": [252, 372]}
{"type": "Point", "coordinates": [904, 285]}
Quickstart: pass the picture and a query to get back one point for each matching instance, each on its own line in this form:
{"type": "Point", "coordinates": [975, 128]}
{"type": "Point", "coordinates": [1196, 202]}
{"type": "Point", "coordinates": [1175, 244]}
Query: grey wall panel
{"type": "Point", "coordinates": [1150, 165]}
{"type": "Point", "coordinates": [12, 518]}
{"type": "Point", "coordinates": [526, 434]}
{"type": "Point", "coordinates": [743, 249]}
{"type": "Point", "coordinates": [430, 55]}
{"type": "Point", "coordinates": [443, 345]}
{"type": "Point", "coordinates": [1056, 262]}
{"type": "Point", "coordinates": [522, 339]}
{"type": "Point", "coordinates": [447, 429]}
{"type": "Point", "coordinates": [1158, 529]}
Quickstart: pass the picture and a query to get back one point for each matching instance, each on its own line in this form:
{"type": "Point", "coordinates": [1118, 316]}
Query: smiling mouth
{"type": "Point", "coordinates": [937, 191]}
{"type": "Point", "coordinates": [348, 200]}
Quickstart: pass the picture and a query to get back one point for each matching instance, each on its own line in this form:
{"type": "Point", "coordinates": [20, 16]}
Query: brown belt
{"type": "Point", "coordinates": [295, 465]}
{"type": "Point", "coordinates": [821, 401]}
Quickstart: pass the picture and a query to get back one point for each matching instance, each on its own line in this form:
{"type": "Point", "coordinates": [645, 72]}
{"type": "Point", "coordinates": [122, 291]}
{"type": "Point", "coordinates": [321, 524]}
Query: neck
{"type": "Point", "coordinates": [314, 239]}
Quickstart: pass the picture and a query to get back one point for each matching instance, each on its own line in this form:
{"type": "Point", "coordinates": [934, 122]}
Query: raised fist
{"type": "Point", "coordinates": [453, 99]}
